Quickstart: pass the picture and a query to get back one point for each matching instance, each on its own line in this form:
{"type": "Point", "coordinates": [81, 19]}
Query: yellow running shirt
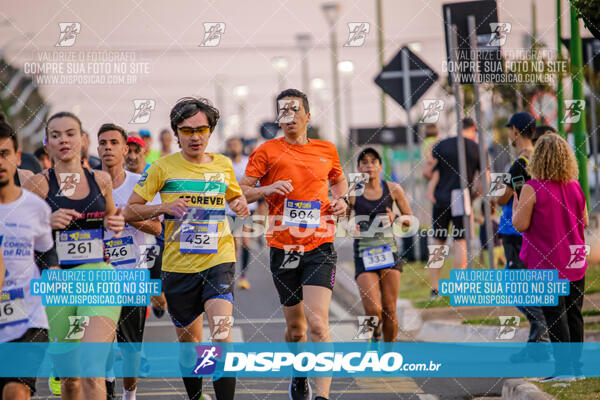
{"type": "Point", "coordinates": [202, 238]}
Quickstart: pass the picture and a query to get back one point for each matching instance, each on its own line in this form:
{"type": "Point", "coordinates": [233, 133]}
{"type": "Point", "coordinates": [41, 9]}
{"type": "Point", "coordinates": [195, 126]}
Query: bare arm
{"type": "Point", "coordinates": [60, 218]}
{"type": "Point", "coordinates": [239, 205]}
{"type": "Point", "coordinates": [505, 198]}
{"type": "Point", "coordinates": [586, 218]}
{"type": "Point", "coordinates": [104, 181]}
{"type": "Point", "coordinates": [339, 190]}
{"type": "Point", "coordinates": [523, 208]}
{"type": "Point", "coordinates": [478, 183]}
{"type": "Point", "coordinates": [430, 164]}
{"type": "Point", "coordinates": [400, 198]}
{"type": "Point", "coordinates": [24, 175]}
{"type": "Point", "coordinates": [2, 270]}
{"type": "Point", "coordinates": [338, 186]}
{"type": "Point", "coordinates": [253, 193]}
{"type": "Point", "coordinates": [151, 226]}
{"type": "Point", "coordinates": [113, 218]}
{"type": "Point", "coordinates": [37, 184]}
{"type": "Point", "coordinates": [433, 181]}
{"type": "Point", "coordinates": [137, 210]}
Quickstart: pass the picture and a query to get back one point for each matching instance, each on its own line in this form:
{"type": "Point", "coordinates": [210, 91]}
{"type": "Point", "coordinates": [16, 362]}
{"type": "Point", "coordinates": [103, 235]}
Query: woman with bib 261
{"type": "Point", "coordinates": [376, 259]}
{"type": "Point", "coordinates": [82, 206]}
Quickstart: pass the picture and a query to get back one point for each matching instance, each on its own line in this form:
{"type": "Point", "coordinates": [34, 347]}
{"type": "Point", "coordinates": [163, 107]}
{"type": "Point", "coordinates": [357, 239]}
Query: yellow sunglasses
{"type": "Point", "coordinates": [189, 131]}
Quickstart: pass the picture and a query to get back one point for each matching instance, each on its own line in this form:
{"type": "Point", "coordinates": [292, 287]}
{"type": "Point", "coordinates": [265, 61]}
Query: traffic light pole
{"type": "Point", "coordinates": [594, 132]}
{"type": "Point", "coordinates": [559, 87]}
{"type": "Point", "coordinates": [579, 128]}
{"type": "Point", "coordinates": [489, 234]}
{"type": "Point", "coordinates": [386, 161]}
{"type": "Point", "coordinates": [410, 140]}
{"type": "Point", "coordinates": [462, 161]}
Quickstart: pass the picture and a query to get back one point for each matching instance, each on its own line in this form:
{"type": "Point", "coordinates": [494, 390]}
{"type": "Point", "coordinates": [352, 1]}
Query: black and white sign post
{"type": "Point", "coordinates": [594, 134]}
{"type": "Point", "coordinates": [489, 233]}
{"type": "Point", "coordinates": [406, 78]}
{"type": "Point", "coordinates": [462, 161]}
{"type": "Point", "coordinates": [406, 73]}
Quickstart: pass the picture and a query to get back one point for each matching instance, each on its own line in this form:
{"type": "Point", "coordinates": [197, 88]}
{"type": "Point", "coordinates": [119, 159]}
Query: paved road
{"type": "Point", "coordinates": [258, 318]}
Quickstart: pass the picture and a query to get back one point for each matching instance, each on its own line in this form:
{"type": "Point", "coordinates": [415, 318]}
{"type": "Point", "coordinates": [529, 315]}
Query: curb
{"type": "Point", "coordinates": [519, 389]}
{"type": "Point", "coordinates": [410, 318]}
{"type": "Point", "coordinates": [451, 331]}
{"type": "Point", "coordinates": [447, 331]}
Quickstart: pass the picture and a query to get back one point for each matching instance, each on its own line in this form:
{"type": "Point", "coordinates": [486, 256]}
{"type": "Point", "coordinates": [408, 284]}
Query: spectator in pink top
{"type": "Point", "coordinates": [551, 213]}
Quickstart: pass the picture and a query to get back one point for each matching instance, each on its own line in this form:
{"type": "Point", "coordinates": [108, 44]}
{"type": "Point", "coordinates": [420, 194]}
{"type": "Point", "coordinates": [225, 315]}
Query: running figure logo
{"type": "Point", "coordinates": [499, 33]}
{"type": "Point", "coordinates": [431, 111]}
{"type": "Point", "coordinates": [573, 111]}
{"type": "Point", "coordinates": [214, 179]}
{"type": "Point", "coordinates": [293, 254]}
{"type": "Point", "coordinates": [77, 325]}
{"type": "Point", "coordinates": [358, 34]}
{"type": "Point", "coordinates": [142, 109]}
{"type": "Point", "coordinates": [356, 183]}
{"type": "Point", "coordinates": [212, 34]}
{"type": "Point", "coordinates": [508, 327]}
{"type": "Point", "coordinates": [67, 183]}
{"type": "Point", "coordinates": [222, 326]}
{"type": "Point", "coordinates": [68, 33]}
{"type": "Point", "coordinates": [498, 183]}
{"type": "Point", "coordinates": [287, 111]}
{"type": "Point", "coordinates": [215, 176]}
{"type": "Point", "coordinates": [148, 256]}
{"type": "Point", "coordinates": [367, 324]}
{"type": "Point", "coordinates": [207, 359]}
{"type": "Point", "coordinates": [437, 254]}
{"type": "Point", "coordinates": [578, 254]}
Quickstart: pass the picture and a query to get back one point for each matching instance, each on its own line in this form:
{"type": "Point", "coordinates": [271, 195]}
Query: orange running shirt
{"type": "Point", "coordinates": [309, 167]}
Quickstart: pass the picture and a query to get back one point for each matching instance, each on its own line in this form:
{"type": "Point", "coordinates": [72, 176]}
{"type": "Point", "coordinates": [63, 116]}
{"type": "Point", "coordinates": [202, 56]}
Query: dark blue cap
{"type": "Point", "coordinates": [523, 121]}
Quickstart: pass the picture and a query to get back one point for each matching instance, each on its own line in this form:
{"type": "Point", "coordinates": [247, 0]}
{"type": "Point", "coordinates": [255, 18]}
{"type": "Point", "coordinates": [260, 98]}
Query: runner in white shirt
{"type": "Point", "coordinates": [24, 228]}
{"type": "Point", "coordinates": [128, 251]}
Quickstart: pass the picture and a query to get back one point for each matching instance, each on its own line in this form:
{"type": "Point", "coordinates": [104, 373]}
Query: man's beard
{"type": "Point", "coordinates": [4, 183]}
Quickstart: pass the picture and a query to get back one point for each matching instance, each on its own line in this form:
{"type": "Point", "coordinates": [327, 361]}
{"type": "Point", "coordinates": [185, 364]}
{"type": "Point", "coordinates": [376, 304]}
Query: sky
{"type": "Point", "coordinates": [160, 57]}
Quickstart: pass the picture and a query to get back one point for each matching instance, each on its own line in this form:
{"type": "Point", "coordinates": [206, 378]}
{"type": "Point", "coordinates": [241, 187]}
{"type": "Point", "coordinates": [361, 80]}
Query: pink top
{"type": "Point", "coordinates": [555, 239]}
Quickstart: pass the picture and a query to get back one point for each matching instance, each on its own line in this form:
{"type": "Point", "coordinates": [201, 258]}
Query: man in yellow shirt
{"type": "Point", "coordinates": [199, 259]}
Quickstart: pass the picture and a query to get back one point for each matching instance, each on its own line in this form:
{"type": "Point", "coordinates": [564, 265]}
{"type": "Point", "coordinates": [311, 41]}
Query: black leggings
{"type": "Point", "coordinates": [565, 324]}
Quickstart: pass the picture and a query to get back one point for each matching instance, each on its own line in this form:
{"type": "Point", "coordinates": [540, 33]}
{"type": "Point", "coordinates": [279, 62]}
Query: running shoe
{"type": "Point", "coordinates": [110, 390]}
{"type": "Point", "coordinates": [559, 378]}
{"type": "Point", "coordinates": [158, 312]}
{"type": "Point", "coordinates": [434, 295]}
{"type": "Point", "coordinates": [54, 385]}
{"type": "Point", "coordinates": [144, 366]}
{"type": "Point", "coordinates": [300, 389]}
{"type": "Point", "coordinates": [243, 284]}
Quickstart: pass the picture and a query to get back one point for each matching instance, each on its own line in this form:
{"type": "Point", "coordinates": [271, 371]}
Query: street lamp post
{"type": "Point", "coordinates": [281, 65]}
{"type": "Point", "coordinates": [240, 93]}
{"type": "Point", "coordinates": [304, 40]}
{"type": "Point", "coordinates": [316, 108]}
{"type": "Point", "coordinates": [346, 68]}
{"type": "Point", "coordinates": [331, 11]}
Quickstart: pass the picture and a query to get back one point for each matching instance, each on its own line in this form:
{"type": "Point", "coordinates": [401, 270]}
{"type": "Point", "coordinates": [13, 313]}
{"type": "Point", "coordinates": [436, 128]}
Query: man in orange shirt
{"type": "Point", "coordinates": [295, 174]}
